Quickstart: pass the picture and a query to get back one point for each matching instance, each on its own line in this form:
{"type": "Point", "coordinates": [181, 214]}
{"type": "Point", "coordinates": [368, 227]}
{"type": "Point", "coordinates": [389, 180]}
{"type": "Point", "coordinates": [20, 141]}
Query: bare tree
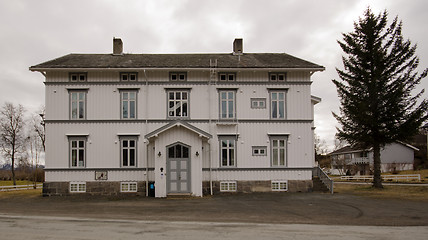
{"type": "Point", "coordinates": [38, 122]}
{"type": "Point", "coordinates": [12, 140]}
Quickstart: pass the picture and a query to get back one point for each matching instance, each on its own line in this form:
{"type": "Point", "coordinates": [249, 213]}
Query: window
{"type": "Point", "coordinates": [227, 151]}
{"type": "Point", "coordinates": [128, 151]}
{"type": "Point", "coordinates": [279, 151]}
{"type": "Point", "coordinates": [128, 102]}
{"type": "Point", "coordinates": [229, 186]}
{"type": "Point", "coordinates": [128, 187]}
{"type": "Point", "coordinates": [177, 76]}
{"type": "Point", "coordinates": [77, 187]}
{"type": "Point", "coordinates": [78, 77]}
{"type": "Point", "coordinates": [128, 77]}
{"type": "Point", "coordinates": [178, 104]}
{"type": "Point", "coordinates": [77, 104]}
{"type": "Point", "coordinates": [77, 151]}
{"type": "Point", "coordinates": [258, 102]}
{"type": "Point", "coordinates": [363, 154]}
{"type": "Point", "coordinates": [277, 77]}
{"type": "Point", "coordinates": [277, 104]}
{"type": "Point", "coordinates": [227, 77]}
{"type": "Point", "coordinates": [259, 151]}
{"type": "Point", "coordinates": [227, 104]}
{"type": "Point", "coordinates": [279, 185]}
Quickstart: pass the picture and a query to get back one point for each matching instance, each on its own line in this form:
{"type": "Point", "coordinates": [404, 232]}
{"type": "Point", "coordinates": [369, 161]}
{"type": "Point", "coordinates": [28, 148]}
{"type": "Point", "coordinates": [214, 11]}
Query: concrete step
{"type": "Point", "coordinates": [318, 185]}
{"type": "Point", "coordinates": [178, 195]}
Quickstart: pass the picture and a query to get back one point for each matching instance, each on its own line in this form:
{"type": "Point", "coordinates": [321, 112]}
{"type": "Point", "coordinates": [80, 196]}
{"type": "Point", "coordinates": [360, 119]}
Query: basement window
{"type": "Point", "coordinates": [229, 186]}
{"type": "Point", "coordinates": [77, 187]}
{"type": "Point", "coordinates": [279, 186]}
{"type": "Point", "coordinates": [128, 187]}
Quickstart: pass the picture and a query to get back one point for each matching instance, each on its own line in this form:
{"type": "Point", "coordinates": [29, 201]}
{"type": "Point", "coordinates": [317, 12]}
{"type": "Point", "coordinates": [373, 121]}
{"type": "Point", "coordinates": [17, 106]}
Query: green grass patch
{"type": "Point", "coordinates": [10, 183]}
{"type": "Point", "coordinates": [418, 193]}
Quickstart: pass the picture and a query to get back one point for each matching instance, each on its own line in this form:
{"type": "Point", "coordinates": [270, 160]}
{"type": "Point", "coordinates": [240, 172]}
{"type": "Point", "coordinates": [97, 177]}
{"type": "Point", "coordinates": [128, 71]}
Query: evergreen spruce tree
{"type": "Point", "coordinates": [375, 90]}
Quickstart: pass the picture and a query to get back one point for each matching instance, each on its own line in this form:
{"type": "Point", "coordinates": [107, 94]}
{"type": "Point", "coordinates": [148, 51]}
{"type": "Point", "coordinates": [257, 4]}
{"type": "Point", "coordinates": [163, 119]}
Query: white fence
{"type": "Point", "coordinates": [19, 187]}
{"type": "Point", "coordinates": [397, 178]}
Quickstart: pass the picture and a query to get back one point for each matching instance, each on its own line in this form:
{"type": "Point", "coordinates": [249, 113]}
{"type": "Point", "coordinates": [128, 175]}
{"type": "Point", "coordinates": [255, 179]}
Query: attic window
{"type": "Point", "coordinates": [178, 76]}
{"type": "Point", "coordinates": [131, 77]}
{"type": "Point", "coordinates": [277, 77]}
{"type": "Point", "coordinates": [224, 77]}
{"type": "Point", "coordinates": [78, 77]}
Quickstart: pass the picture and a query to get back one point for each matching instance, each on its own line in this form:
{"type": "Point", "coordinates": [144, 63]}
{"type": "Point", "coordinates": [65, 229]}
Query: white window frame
{"type": "Point", "coordinates": [128, 187]}
{"type": "Point", "coordinates": [227, 77]}
{"type": "Point", "coordinates": [184, 111]}
{"type": "Point", "coordinates": [277, 77]}
{"type": "Point", "coordinates": [126, 163]}
{"type": "Point", "coordinates": [227, 97]}
{"type": "Point", "coordinates": [228, 186]}
{"type": "Point", "coordinates": [77, 187]}
{"type": "Point", "coordinates": [275, 151]}
{"type": "Point", "coordinates": [77, 148]}
{"type": "Point", "coordinates": [279, 185]}
{"type": "Point", "coordinates": [126, 101]}
{"type": "Point", "coordinates": [230, 151]}
{"type": "Point", "coordinates": [178, 76]}
{"type": "Point", "coordinates": [128, 76]}
{"type": "Point", "coordinates": [258, 103]}
{"type": "Point", "coordinates": [78, 77]}
{"type": "Point", "coordinates": [78, 104]}
{"type": "Point", "coordinates": [259, 151]}
{"type": "Point", "coordinates": [276, 102]}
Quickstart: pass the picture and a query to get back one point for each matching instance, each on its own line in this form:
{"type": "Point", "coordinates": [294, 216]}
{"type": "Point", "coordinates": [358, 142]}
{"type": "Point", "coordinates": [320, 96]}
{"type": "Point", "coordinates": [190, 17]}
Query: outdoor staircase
{"type": "Point", "coordinates": [178, 195]}
{"type": "Point", "coordinates": [318, 185]}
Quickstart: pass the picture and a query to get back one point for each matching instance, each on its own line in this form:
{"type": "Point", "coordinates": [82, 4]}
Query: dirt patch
{"type": "Point", "coordinates": [304, 208]}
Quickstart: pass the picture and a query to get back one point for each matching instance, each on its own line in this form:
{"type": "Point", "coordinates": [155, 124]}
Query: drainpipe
{"type": "Point", "coordinates": [146, 129]}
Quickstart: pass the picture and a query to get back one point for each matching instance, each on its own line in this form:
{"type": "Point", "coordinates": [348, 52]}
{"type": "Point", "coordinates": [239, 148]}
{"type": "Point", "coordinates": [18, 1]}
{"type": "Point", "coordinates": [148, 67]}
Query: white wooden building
{"type": "Point", "coordinates": [178, 123]}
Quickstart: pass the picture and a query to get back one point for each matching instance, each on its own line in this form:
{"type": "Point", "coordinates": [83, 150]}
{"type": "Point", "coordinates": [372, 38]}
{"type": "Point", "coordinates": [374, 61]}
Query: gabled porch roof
{"type": "Point", "coordinates": [178, 123]}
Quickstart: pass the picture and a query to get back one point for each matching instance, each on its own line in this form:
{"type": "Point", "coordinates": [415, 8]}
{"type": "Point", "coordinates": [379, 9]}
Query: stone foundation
{"type": "Point", "coordinates": [259, 186]}
{"type": "Point", "coordinates": [92, 188]}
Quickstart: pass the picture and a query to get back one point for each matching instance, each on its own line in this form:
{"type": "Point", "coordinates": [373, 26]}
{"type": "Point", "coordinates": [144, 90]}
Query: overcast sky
{"type": "Point", "coordinates": [33, 32]}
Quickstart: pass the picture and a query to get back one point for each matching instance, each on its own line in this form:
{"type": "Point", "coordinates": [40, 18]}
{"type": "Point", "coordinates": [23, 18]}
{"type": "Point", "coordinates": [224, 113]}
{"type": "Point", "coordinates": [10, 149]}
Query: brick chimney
{"type": "Point", "coordinates": [238, 46]}
{"type": "Point", "coordinates": [117, 46]}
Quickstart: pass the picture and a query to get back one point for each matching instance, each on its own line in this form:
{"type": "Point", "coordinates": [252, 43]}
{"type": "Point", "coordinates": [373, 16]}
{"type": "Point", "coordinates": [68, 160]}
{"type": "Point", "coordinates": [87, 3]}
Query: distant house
{"type": "Point", "coordinates": [355, 161]}
{"type": "Point", "coordinates": [168, 124]}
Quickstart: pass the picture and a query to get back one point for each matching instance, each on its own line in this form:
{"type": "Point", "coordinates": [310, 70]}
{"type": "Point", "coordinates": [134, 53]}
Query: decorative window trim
{"type": "Point", "coordinates": [279, 185]}
{"type": "Point", "coordinates": [258, 103]}
{"type": "Point", "coordinates": [185, 114]}
{"type": "Point", "coordinates": [275, 144]}
{"type": "Point", "coordinates": [259, 151]}
{"type": "Point", "coordinates": [77, 102]}
{"type": "Point", "coordinates": [128, 77]}
{"type": "Point", "coordinates": [128, 101]}
{"type": "Point", "coordinates": [227, 77]}
{"type": "Point", "coordinates": [230, 157]}
{"type": "Point", "coordinates": [77, 187]}
{"type": "Point", "coordinates": [277, 102]}
{"type": "Point", "coordinates": [228, 186]}
{"type": "Point", "coordinates": [78, 76]}
{"type": "Point", "coordinates": [227, 100]}
{"type": "Point", "coordinates": [128, 187]}
{"type": "Point", "coordinates": [129, 149]}
{"type": "Point", "coordinates": [77, 147]}
{"type": "Point", "coordinates": [277, 77]}
{"type": "Point", "coordinates": [178, 76]}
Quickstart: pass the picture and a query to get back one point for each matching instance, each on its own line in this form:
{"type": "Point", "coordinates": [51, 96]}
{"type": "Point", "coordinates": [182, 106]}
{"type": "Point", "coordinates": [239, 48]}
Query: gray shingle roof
{"type": "Point", "coordinates": [226, 60]}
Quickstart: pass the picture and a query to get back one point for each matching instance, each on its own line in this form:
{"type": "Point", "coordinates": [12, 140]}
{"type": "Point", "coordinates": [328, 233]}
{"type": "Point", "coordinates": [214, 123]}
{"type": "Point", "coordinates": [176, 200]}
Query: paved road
{"type": "Point", "coordinates": [33, 227]}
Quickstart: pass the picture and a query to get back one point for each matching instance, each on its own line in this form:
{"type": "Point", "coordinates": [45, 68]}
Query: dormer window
{"type": "Point", "coordinates": [178, 76]}
{"type": "Point", "coordinates": [128, 77]}
{"type": "Point", "coordinates": [227, 77]}
{"type": "Point", "coordinates": [277, 77]}
{"type": "Point", "coordinates": [78, 77]}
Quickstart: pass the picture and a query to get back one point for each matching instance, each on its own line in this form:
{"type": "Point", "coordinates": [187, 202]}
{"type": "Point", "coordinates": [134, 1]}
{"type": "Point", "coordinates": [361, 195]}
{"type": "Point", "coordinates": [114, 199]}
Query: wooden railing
{"type": "Point", "coordinates": [325, 179]}
{"type": "Point", "coordinates": [19, 187]}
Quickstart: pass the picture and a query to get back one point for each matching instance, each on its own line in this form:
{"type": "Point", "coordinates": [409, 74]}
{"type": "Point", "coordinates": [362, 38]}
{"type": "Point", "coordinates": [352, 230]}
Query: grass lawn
{"type": "Point", "coordinates": [418, 193]}
{"type": "Point", "coordinates": [10, 183]}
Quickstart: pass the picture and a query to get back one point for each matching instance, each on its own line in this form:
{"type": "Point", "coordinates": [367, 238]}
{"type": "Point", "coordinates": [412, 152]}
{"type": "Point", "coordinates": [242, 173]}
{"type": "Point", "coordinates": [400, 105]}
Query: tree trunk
{"type": "Point", "coordinates": [13, 171]}
{"type": "Point", "coordinates": [377, 178]}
